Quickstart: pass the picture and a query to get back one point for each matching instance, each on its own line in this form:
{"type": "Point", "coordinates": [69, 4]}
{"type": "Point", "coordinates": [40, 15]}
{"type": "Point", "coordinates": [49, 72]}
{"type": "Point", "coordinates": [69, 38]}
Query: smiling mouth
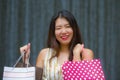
{"type": "Point", "coordinates": [64, 37]}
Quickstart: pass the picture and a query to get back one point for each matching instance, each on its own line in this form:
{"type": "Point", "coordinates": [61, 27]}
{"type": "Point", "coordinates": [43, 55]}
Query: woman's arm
{"type": "Point", "coordinates": [81, 53]}
{"type": "Point", "coordinates": [77, 52]}
{"type": "Point", "coordinates": [40, 64]}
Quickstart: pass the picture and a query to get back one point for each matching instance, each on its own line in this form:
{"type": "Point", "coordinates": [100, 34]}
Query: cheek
{"type": "Point", "coordinates": [71, 31]}
{"type": "Point", "coordinates": [57, 33]}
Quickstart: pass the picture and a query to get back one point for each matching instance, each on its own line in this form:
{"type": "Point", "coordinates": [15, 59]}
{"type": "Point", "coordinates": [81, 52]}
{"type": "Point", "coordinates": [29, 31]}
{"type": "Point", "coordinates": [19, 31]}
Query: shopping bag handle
{"type": "Point", "coordinates": [23, 54]}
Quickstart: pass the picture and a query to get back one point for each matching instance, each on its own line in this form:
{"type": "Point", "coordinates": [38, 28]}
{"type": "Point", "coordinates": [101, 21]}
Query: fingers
{"type": "Point", "coordinates": [77, 51]}
{"type": "Point", "coordinates": [25, 49]}
{"type": "Point", "coordinates": [28, 48]}
{"type": "Point", "coordinates": [79, 48]}
{"type": "Point", "coordinates": [81, 45]}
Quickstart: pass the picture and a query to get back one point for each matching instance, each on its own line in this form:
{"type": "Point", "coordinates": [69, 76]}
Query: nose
{"type": "Point", "coordinates": [63, 30]}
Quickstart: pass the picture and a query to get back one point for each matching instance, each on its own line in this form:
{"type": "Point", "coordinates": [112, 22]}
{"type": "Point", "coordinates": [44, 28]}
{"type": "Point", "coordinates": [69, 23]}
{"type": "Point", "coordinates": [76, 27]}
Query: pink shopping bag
{"type": "Point", "coordinates": [83, 70]}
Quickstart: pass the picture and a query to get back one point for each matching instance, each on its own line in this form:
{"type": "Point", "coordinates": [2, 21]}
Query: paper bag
{"type": "Point", "coordinates": [11, 73]}
{"type": "Point", "coordinates": [19, 73]}
{"type": "Point", "coordinates": [83, 70]}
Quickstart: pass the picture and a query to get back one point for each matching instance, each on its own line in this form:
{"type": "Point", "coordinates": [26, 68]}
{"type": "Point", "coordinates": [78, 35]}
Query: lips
{"type": "Point", "coordinates": [64, 37]}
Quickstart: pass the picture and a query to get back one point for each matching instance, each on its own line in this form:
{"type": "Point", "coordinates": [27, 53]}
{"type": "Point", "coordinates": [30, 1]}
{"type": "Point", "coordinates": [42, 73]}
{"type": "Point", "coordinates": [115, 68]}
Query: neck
{"type": "Point", "coordinates": [64, 48]}
{"type": "Point", "coordinates": [63, 54]}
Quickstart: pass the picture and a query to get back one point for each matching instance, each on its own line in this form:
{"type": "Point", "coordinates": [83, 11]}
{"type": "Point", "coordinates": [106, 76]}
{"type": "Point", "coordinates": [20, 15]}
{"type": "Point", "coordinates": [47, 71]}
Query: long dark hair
{"type": "Point", "coordinates": [52, 41]}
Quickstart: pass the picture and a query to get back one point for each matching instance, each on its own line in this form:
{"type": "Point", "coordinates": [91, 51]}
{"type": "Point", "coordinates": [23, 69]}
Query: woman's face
{"type": "Point", "coordinates": [63, 31]}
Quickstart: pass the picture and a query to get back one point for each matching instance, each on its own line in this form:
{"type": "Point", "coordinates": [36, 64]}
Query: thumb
{"type": "Point", "coordinates": [82, 46]}
{"type": "Point", "coordinates": [28, 46]}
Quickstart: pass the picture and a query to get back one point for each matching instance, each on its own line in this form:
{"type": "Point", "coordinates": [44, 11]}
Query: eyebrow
{"type": "Point", "coordinates": [60, 25]}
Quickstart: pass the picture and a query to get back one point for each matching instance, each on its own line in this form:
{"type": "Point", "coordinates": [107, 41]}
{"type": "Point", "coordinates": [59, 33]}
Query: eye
{"type": "Point", "coordinates": [68, 26]}
{"type": "Point", "coordinates": [57, 27]}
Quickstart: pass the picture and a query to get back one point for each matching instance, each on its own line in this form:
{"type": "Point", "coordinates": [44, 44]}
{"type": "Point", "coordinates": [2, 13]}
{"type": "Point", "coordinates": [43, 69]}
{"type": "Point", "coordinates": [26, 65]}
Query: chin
{"type": "Point", "coordinates": [65, 43]}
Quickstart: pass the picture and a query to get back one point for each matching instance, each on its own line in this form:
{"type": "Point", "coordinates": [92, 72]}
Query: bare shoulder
{"type": "Point", "coordinates": [41, 57]}
{"type": "Point", "coordinates": [87, 54]}
{"type": "Point", "coordinates": [43, 52]}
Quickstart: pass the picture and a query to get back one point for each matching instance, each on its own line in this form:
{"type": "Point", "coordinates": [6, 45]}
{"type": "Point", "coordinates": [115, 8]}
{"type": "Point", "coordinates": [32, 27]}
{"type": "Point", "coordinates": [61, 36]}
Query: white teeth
{"type": "Point", "coordinates": [64, 36]}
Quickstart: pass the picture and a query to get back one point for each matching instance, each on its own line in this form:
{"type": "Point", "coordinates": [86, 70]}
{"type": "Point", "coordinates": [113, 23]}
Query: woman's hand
{"type": "Point", "coordinates": [25, 49]}
{"type": "Point", "coordinates": [77, 51]}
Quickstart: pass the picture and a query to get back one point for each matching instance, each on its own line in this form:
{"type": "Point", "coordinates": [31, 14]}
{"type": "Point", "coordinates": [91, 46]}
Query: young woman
{"type": "Point", "coordinates": [64, 44]}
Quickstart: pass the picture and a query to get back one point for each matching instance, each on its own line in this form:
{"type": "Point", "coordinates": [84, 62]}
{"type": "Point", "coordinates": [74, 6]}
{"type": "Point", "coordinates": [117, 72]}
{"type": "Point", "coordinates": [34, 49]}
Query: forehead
{"type": "Point", "coordinates": [61, 21]}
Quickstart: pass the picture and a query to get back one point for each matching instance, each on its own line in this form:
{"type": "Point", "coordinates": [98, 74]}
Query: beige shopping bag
{"type": "Point", "coordinates": [18, 73]}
